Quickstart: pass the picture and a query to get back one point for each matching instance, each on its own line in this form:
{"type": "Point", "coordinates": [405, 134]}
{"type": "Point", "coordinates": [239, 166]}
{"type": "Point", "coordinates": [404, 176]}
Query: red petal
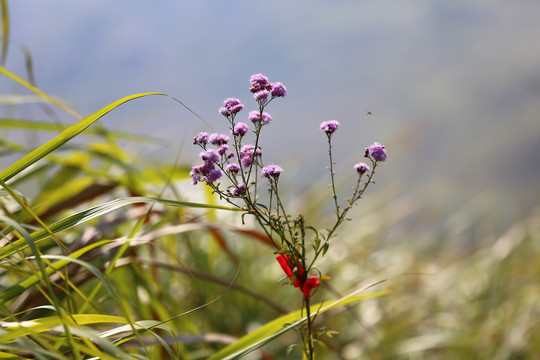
{"type": "Point", "coordinates": [283, 261]}
{"type": "Point", "coordinates": [310, 284]}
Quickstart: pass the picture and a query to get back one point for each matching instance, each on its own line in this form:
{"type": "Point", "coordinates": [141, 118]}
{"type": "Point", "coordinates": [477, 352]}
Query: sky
{"type": "Point", "coordinates": [453, 88]}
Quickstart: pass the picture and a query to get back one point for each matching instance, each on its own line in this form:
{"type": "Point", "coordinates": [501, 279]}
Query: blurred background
{"type": "Point", "coordinates": [452, 89]}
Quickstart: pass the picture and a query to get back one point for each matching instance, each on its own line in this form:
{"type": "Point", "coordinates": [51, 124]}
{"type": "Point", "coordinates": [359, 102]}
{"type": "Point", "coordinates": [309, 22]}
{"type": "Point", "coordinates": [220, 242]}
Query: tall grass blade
{"type": "Point", "coordinates": [64, 137]}
{"type": "Point", "coordinates": [281, 325]}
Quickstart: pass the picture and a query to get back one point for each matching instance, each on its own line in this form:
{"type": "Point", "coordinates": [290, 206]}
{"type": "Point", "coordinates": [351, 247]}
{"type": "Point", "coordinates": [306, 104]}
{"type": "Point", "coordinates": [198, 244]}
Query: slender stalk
{"type": "Point", "coordinates": [334, 195]}
{"type": "Point", "coordinates": [309, 337]}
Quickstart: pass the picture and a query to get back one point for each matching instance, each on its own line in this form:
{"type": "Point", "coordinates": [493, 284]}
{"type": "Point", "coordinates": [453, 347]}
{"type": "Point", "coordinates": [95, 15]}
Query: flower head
{"type": "Point", "coordinates": [206, 172]}
{"type": "Point", "coordinates": [262, 96]}
{"type": "Point", "coordinates": [271, 171]}
{"type": "Point", "coordinates": [213, 174]}
{"type": "Point", "coordinates": [361, 168]}
{"type": "Point", "coordinates": [296, 271]}
{"type": "Point", "coordinates": [233, 168]}
{"type": "Point", "coordinates": [239, 190]}
{"type": "Point", "coordinates": [231, 106]}
{"type": "Point", "coordinates": [259, 82]}
{"type": "Point", "coordinates": [210, 156]}
{"type": "Point", "coordinates": [278, 89]}
{"type": "Point", "coordinates": [223, 149]}
{"type": "Point", "coordinates": [310, 284]}
{"type": "Point", "coordinates": [247, 154]}
{"type": "Point", "coordinates": [255, 116]}
{"type": "Point", "coordinates": [240, 129]}
{"type": "Point", "coordinates": [218, 139]}
{"type": "Point", "coordinates": [330, 126]}
{"type": "Point", "coordinates": [201, 138]}
{"type": "Point", "coordinates": [377, 152]}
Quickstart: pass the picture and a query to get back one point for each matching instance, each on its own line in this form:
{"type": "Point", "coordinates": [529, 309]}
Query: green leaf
{"type": "Point", "coordinates": [23, 328]}
{"type": "Point", "coordinates": [281, 325]}
{"type": "Point", "coordinates": [97, 211]}
{"type": "Point", "coordinates": [64, 137]}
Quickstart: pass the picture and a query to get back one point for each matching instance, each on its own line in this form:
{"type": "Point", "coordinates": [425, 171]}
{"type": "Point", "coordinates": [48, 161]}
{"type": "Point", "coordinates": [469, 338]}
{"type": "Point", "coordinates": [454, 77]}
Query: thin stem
{"type": "Point", "coordinates": [309, 338]}
{"type": "Point", "coordinates": [334, 195]}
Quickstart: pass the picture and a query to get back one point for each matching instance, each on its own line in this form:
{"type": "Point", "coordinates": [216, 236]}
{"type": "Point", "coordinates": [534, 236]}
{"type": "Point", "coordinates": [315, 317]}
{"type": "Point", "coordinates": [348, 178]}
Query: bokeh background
{"type": "Point", "coordinates": [452, 89]}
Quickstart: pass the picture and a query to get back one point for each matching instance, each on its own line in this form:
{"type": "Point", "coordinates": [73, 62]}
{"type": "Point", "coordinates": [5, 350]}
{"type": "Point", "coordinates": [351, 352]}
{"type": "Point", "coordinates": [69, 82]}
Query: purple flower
{"type": "Point", "coordinates": [233, 168]}
{"type": "Point", "coordinates": [329, 126]}
{"type": "Point", "coordinates": [218, 139]}
{"type": "Point", "coordinates": [206, 172]}
{"type": "Point", "coordinates": [223, 149]}
{"type": "Point", "coordinates": [239, 190]}
{"type": "Point", "coordinates": [230, 107]}
{"type": "Point", "coordinates": [262, 96]}
{"type": "Point", "coordinates": [361, 168]}
{"type": "Point", "coordinates": [377, 152]}
{"type": "Point", "coordinates": [213, 174]}
{"type": "Point", "coordinates": [259, 82]}
{"type": "Point", "coordinates": [255, 116]}
{"type": "Point", "coordinates": [201, 138]}
{"type": "Point", "coordinates": [272, 170]}
{"type": "Point", "coordinates": [240, 129]}
{"type": "Point", "coordinates": [210, 156]}
{"type": "Point", "coordinates": [246, 154]}
{"type": "Point", "coordinates": [278, 89]}
{"type": "Point", "coordinates": [195, 178]}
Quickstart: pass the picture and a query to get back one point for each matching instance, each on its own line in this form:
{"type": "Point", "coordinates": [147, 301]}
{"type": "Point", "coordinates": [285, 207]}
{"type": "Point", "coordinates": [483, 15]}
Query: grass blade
{"type": "Point", "coordinates": [64, 137]}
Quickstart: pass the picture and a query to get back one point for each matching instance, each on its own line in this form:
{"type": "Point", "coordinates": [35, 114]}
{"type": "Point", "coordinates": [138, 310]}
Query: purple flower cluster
{"type": "Point", "coordinates": [240, 129]}
{"type": "Point", "coordinates": [272, 170]}
{"type": "Point", "coordinates": [239, 190]}
{"type": "Point", "coordinates": [330, 126]}
{"type": "Point", "coordinates": [376, 151]}
{"type": "Point", "coordinates": [218, 139]}
{"type": "Point", "coordinates": [263, 90]}
{"type": "Point", "coordinates": [206, 172]}
{"type": "Point", "coordinates": [209, 171]}
{"type": "Point", "coordinates": [216, 160]}
{"type": "Point", "coordinates": [231, 106]}
{"type": "Point", "coordinates": [255, 117]}
{"type": "Point", "coordinates": [247, 154]}
{"type": "Point", "coordinates": [259, 82]}
{"type": "Point", "coordinates": [201, 139]}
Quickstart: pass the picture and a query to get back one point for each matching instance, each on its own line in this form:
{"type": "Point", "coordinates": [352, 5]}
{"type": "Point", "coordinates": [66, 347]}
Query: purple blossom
{"type": "Point", "coordinates": [233, 168]}
{"type": "Point", "coordinates": [377, 152]}
{"type": "Point", "coordinates": [246, 154]}
{"type": "Point", "coordinates": [255, 116]}
{"type": "Point", "coordinates": [240, 129]}
{"type": "Point", "coordinates": [272, 170]}
{"type": "Point", "coordinates": [201, 138]}
{"type": "Point", "coordinates": [278, 89]}
{"type": "Point", "coordinates": [259, 82]}
{"type": "Point", "coordinates": [218, 139]}
{"type": "Point", "coordinates": [330, 126]}
{"type": "Point", "coordinates": [239, 190]}
{"type": "Point", "coordinates": [223, 149]}
{"type": "Point", "coordinates": [262, 96]}
{"type": "Point", "coordinates": [213, 174]}
{"type": "Point", "coordinates": [230, 107]}
{"type": "Point", "coordinates": [195, 178]}
{"type": "Point", "coordinates": [206, 172]}
{"type": "Point", "coordinates": [210, 156]}
{"type": "Point", "coordinates": [362, 168]}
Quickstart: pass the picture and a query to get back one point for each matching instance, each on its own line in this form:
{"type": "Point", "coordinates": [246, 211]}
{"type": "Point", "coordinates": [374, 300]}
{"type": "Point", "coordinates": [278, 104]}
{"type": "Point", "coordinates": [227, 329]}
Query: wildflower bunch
{"type": "Point", "coordinates": [232, 166]}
